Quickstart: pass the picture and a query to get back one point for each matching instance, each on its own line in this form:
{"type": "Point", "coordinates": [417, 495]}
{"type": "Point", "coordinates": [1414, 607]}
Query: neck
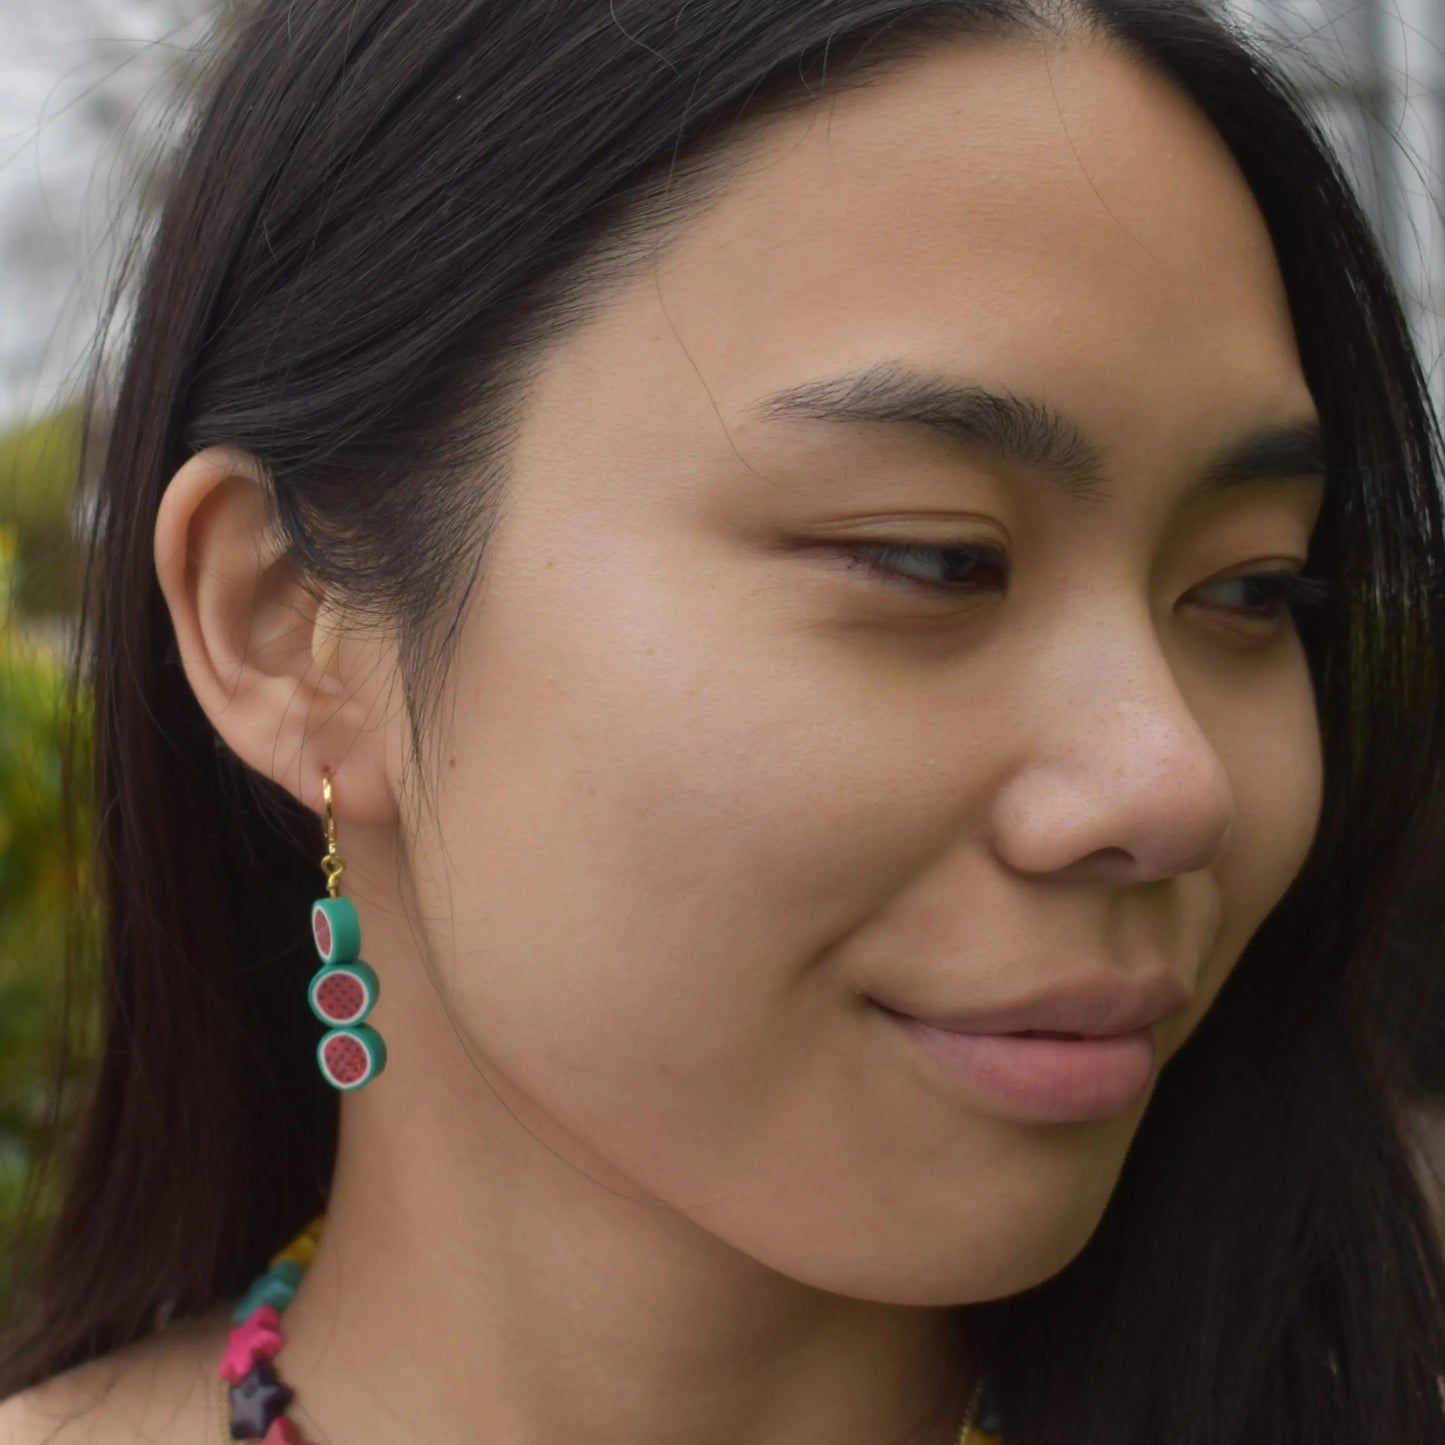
{"type": "Point", "coordinates": [477, 1280]}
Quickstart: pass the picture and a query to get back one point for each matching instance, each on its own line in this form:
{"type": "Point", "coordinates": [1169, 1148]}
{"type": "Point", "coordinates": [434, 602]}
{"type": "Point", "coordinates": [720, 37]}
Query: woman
{"type": "Point", "coordinates": [804, 540]}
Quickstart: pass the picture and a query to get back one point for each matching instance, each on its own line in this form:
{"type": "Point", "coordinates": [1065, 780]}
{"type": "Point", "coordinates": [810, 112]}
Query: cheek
{"type": "Point", "coordinates": [652, 821]}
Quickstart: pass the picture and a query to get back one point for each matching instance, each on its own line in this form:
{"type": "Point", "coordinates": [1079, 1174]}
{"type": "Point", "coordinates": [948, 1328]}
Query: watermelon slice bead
{"type": "Point", "coordinates": [351, 1057]}
{"type": "Point", "coordinates": [343, 994]}
{"type": "Point", "coordinates": [336, 930]}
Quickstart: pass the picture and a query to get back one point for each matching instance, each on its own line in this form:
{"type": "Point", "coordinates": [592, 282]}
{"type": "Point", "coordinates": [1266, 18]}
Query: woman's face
{"type": "Point", "coordinates": [712, 791]}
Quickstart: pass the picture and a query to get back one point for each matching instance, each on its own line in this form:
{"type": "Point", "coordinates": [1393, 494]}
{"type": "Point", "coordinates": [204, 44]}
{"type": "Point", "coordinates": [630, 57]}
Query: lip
{"type": "Point", "coordinates": [1095, 1006]}
{"type": "Point", "coordinates": [1054, 1081]}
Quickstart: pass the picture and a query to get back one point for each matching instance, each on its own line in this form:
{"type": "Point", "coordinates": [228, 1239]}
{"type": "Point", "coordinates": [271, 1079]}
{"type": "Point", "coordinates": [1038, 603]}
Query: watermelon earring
{"type": "Point", "coordinates": [344, 989]}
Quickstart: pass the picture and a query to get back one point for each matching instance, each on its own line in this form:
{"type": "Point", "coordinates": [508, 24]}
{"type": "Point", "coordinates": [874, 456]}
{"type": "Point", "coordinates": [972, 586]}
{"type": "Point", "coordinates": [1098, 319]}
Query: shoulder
{"type": "Point", "coordinates": [159, 1390]}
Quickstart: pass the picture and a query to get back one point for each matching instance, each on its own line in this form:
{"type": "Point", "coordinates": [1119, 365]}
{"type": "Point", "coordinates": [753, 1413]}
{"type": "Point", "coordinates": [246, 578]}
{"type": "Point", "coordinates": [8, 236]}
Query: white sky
{"type": "Point", "coordinates": [80, 82]}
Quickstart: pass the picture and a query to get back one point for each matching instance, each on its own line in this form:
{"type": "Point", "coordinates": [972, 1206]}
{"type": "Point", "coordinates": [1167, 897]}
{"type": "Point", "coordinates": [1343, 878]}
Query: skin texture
{"type": "Point", "coordinates": [645, 1164]}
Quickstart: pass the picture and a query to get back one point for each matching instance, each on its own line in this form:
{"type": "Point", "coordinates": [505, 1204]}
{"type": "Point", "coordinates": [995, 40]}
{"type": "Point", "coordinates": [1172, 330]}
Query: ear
{"type": "Point", "coordinates": [288, 692]}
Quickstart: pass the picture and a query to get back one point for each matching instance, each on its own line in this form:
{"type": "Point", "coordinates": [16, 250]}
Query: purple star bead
{"type": "Point", "coordinates": [257, 1401]}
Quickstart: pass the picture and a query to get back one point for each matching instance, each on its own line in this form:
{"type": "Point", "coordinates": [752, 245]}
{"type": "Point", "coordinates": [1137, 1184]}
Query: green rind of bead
{"type": "Point", "coordinates": [369, 981]}
{"type": "Point", "coordinates": [345, 929]}
{"type": "Point", "coordinates": [276, 1287]}
{"type": "Point", "coordinates": [369, 1039]}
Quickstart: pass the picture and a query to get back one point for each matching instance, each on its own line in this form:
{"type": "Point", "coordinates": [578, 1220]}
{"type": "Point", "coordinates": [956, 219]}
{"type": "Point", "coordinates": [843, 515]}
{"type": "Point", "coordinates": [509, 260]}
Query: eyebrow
{"type": "Point", "coordinates": [1027, 431]}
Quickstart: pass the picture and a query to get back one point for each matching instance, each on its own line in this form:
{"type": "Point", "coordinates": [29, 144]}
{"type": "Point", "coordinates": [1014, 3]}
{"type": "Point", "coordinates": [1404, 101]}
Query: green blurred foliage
{"type": "Point", "coordinates": [44, 894]}
{"type": "Point", "coordinates": [39, 463]}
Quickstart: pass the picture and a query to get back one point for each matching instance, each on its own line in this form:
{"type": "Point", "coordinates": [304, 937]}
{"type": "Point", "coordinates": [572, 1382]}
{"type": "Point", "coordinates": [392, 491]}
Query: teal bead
{"type": "Point", "coordinates": [351, 1057]}
{"type": "Point", "coordinates": [275, 1287]}
{"type": "Point", "coordinates": [343, 994]}
{"type": "Point", "coordinates": [335, 929]}
{"type": "Point", "coordinates": [989, 1419]}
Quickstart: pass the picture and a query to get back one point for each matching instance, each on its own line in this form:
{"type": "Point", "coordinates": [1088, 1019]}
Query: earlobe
{"type": "Point", "coordinates": [259, 645]}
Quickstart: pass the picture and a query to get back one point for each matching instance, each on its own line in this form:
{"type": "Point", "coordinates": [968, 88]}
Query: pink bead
{"type": "Point", "coordinates": [259, 1338]}
{"type": "Point", "coordinates": [282, 1432]}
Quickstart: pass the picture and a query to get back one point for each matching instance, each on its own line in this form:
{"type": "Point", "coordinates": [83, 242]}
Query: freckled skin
{"type": "Point", "coordinates": [703, 788]}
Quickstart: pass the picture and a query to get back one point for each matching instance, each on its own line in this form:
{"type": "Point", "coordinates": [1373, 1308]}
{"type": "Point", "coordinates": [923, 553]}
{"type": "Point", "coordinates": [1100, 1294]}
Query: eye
{"type": "Point", "coordinates": [963, 568]}
{"type": "Point", "coordinates": [1270, 596]}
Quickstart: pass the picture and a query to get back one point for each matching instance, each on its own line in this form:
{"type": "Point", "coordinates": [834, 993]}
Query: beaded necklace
{"type": "Point", "coordinates": [253, 1398]}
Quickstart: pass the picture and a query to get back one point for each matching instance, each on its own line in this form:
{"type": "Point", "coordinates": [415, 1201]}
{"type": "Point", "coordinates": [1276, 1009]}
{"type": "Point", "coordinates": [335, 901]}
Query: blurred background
{"type": "Point", "coordinates": [93, 94]}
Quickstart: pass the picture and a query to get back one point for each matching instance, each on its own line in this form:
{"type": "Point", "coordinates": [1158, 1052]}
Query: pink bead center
{"type": "Point", "coordinates": [341, 998]}
{"type": "Point", "coordinates": [345, 1060]}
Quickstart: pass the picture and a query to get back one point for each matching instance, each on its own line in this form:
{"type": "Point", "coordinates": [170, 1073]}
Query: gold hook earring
{"type": "Point", "coordinates": [344, 989]}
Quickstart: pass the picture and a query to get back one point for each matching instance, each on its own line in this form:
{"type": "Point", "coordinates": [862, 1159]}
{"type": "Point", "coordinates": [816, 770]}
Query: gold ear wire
{"type": "Point", "coordinates": [332, 864]}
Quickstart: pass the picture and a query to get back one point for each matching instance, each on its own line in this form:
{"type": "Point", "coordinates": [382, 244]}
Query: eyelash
{"type": "Point", "coordinates": [1284, 592]}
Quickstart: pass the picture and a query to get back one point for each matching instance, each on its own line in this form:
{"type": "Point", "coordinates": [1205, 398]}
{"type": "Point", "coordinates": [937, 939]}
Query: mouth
{"type": "Point", "coordinates": [1103, 1003]}
{"type": "Point", "coordinates": [1038, 1075]}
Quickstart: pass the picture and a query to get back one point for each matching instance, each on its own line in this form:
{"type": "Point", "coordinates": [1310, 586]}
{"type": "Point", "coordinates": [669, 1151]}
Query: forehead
{"type": "Point", "coordinates": [1046, 218]}
{"type": "Point", "coordinates": [1046, 215]}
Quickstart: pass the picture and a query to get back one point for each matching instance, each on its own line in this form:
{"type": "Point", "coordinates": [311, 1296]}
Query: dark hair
{"type": "Point", "coordinates": [385, 212]}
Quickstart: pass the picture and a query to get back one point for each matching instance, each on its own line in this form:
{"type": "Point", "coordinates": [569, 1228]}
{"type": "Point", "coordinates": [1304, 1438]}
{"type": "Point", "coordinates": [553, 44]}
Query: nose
{"type": "Point", "coordinates": [1117, 781]}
